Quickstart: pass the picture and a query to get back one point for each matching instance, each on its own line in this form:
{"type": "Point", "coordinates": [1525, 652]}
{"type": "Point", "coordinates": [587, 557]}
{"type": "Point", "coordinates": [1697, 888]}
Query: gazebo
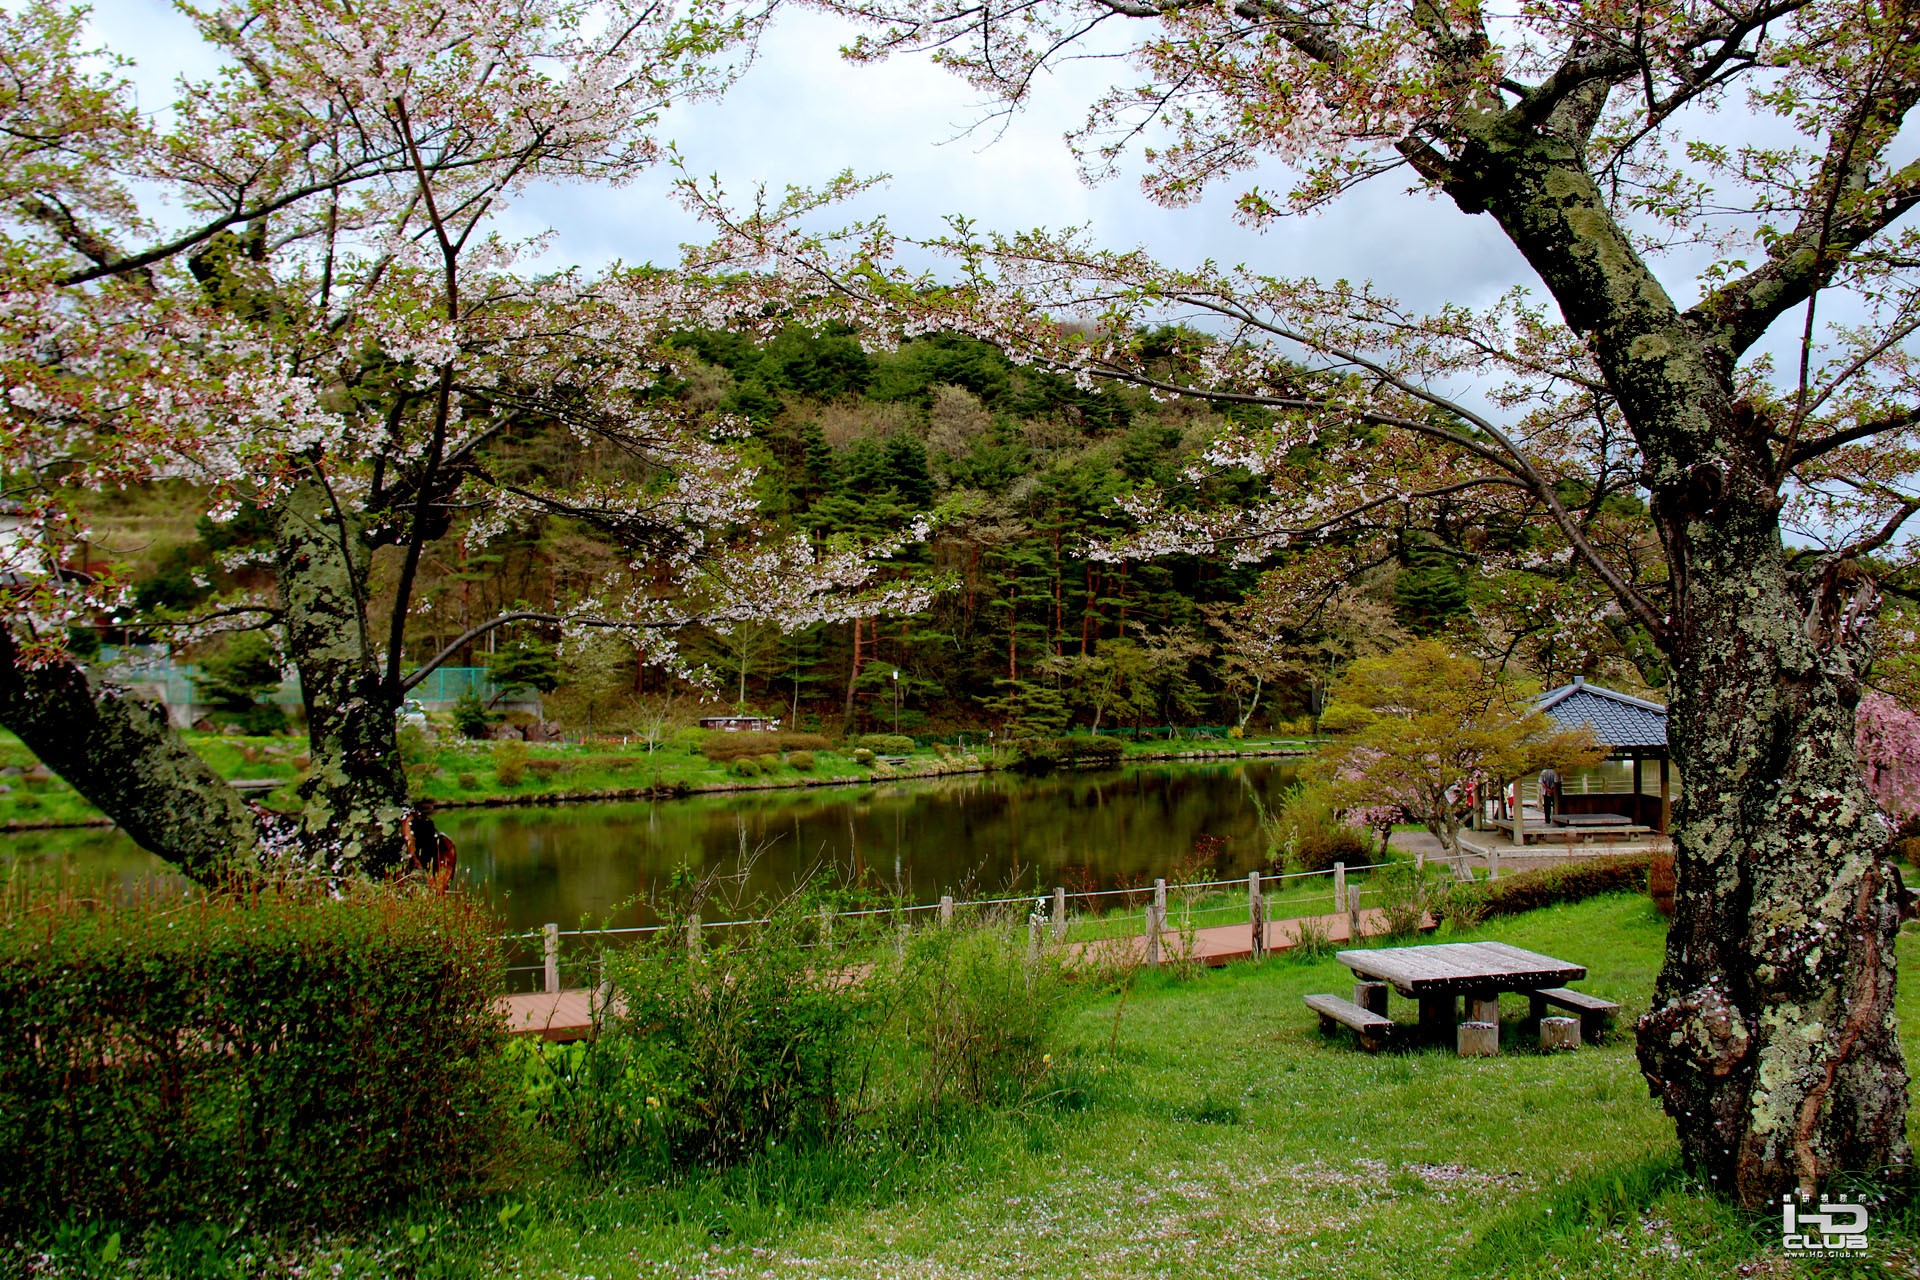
{"type": "Point", "coordinates": [1631, 729]}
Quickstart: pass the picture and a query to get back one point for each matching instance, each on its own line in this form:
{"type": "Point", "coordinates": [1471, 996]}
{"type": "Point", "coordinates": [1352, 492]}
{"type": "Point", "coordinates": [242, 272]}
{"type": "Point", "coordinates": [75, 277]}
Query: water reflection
{"type": "Point", "coordinates": [969, 834]}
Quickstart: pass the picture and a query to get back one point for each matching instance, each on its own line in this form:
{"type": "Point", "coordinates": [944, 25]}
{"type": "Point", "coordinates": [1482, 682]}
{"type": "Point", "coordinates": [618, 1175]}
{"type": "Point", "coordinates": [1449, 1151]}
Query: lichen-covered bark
{"type": "Point", "coordinates": [1771, 1038]}
{"type": "Point", "coordinates": [120, 752]}
{"type": "Point", "coordinates": [353, 803]}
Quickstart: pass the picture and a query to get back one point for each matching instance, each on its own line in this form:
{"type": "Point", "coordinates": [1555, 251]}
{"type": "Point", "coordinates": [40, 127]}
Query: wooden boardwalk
{"type": "Point", "coordinates": [568, 1014]}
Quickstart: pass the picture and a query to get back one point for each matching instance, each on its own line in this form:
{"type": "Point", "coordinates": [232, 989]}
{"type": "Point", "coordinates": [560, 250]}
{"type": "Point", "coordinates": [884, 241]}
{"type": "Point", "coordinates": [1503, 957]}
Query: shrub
{"type": "Point", "coordinates": [470, 716]}
{"type": "Point", "coordinates": [288, 1058]}
{"type": "Point", "coordinates": [1545, 886]}
{"type": "Point", "coordinates": [978, 1011]}
{"type": "Point", "coordinates": [510, 763]}
{"type": "Point", "coordinates": [1311, 838]}
{"type": "Point", "coordinates": [862, 756]}
{"type": "Point", "coordinates": [752, 1041]}
{"type": "Point", "coordinates": [466, 782]}
{"type": "Point", "coordinates": [1092, 750]}
{"type": "Point", "coordinates": [723, 747]}
{"type": "Point", "coordinates": [546, 770]}
{"type": "Point", "coordinates": [804, 742]}
{"type": "Point", "coordinates": [745, 767]}
{"type": "Point", "coordinates": [892, 744]}
{"type": "Point", "coordinates": [801, 760]}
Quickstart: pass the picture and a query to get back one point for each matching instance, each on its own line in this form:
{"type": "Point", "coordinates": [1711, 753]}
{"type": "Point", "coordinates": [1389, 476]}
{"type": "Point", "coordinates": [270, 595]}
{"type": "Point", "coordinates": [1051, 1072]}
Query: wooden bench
{"type": "Point", "coordinates": [1372, 1028]}
{"type": "Point", "coordinates": [1594, 1012]}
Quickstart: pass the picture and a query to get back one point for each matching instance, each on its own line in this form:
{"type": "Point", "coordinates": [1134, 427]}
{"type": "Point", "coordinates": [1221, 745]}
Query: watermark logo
{"type": "Point", "coordinates": [1837, 1229]}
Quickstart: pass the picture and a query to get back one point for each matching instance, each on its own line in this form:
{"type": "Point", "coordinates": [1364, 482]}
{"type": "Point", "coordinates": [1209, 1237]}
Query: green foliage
{"type": "Point", "coordinates": [1544, 886]}
{"type": "Point", "coordinates": [525, 664]}
{"type": "Point", "coordinates": [510, 763]}
{"type": "Point", "coordinates": [291, 1057]}
{"type": "Point", "coordinates": [746, 767]}
{"type": "Point", "coordinates": [241, 672]}
{"type": "Point", "coordinates": [546, 770]}
{"type": "Point", "coordinates": [470, 716]}
{"type": "Point", "coordinates": [750, 1041]}
{"type": "Point", "coordinates": [1308, 836]}
{"type": "Point", "coordinates": [979, 1011]}
{"type": "Point", "coordinates": [892, 744]}
{"type": "Point", "coordinates": [861, 756]}
{"type": "Point", "coordinates": [801, 760]}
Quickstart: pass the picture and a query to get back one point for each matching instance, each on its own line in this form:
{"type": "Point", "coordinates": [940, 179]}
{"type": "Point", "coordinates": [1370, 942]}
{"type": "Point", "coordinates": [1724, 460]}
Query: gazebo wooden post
{"type": "Point", "coordinates": [1666, 800]}
{"type": "Point", "coordinates": [1636, 786]}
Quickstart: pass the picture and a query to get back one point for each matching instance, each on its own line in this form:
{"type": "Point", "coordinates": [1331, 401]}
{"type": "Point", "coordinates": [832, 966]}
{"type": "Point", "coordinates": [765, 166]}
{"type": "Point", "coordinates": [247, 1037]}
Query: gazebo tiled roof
{"type": "Point", "coordinates": [1627, 724]}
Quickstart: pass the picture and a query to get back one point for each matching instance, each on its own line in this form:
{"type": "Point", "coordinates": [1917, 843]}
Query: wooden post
{"type": "Point", "coordinates": [1437, 1018]}
{"type": "Point", "coordinates": [1483, 1006]}
{"type": "Point", "coordinates": [1371, 996]}
{"type": "Point", "coordinates": [1519, 813]}
{"type": "Point", "coordinates": [693, 936]}
{"type": "Point", "coordinates": [1478, 1039]}
{"type": "Point", "coordinates": [1353, 914]}
{"type": "Point", "coordinates": [1637, 816]}
{"type": "Point", "coordinates": [946, 908]}
{"type": "Point", "coordinates": [1666, 800]}
{"type": "Point", "coordinates": [1559, 1033]}
{"type": "Point", "coordinates": [1419, 861]}
{"type": "Point", "coordinates": [1493, 861]}
{"type": "Point", "coordinates": [1033, 939]}
{"type": "Point", "coordinates": [1059, 914]}
{"type": "Point", "coordinates": [1153, 935]}
{"type": "Point", "coordinates": [1339, 886]}
{"type": "Point", "coordinates": [1256, 917]}
{"type": "Point", "coordinates": [550, 957]}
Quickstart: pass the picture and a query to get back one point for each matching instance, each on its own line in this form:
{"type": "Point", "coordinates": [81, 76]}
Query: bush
{"type": "Point", "coordinates": [466, 782]}
{"type": "Point", "coordinates": [723, 747]}
{"type": "Point", "coordinates": [801, 760]}
{"type": "Point", "coordinates": [745, 767]}
{"type": "Point", "coordinates": [286, 1059]}
{"type": "Point", "coordinates": [1311, 838]}
{"type": "Point", "coordinates": [862, 756]}
{"type": "Point", "coordinates": [470, 716]}
{"type": "Point", "coordinates": [1530, 890]}
{"type": "Point", "coordinates": [890, 744]}
{"type": "Point", "coordinates": [510, 763]}
{"type": "Point", "coordinates": [752, 1041]}
{"type": "Point", "coordinates": [546, 770]}
{"type": "Point", "coordinates": [1092, 750]}
{"type": "Point", "coordinates": [978, 1012]}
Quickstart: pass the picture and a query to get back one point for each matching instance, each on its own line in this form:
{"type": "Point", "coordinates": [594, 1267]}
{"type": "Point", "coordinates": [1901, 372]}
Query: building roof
{"type": "Point", "coordinates": [1619, 720]}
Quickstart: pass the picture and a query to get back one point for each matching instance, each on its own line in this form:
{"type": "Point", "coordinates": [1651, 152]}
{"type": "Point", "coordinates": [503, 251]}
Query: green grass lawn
{"type": "Point", "coordinates": [1199, 1125]}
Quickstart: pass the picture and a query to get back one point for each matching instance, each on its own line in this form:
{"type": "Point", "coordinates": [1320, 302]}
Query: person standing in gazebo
{"type": "Point", "coordinates": [1549, 792]}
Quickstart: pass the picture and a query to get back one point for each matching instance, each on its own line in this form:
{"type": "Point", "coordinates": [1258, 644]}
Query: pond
{"type": "Point", "coordinates": [971, 834]}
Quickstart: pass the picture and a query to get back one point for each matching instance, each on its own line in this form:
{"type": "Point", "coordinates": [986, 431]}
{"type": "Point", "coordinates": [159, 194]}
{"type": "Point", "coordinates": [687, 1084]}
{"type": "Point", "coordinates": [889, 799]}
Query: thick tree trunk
{"type": "Point", "coordinates": [120, 752]}
{"type": "Point", "coordinates": [353, 803]}
{"type": "Point", "coordinates": [1771, 1037]}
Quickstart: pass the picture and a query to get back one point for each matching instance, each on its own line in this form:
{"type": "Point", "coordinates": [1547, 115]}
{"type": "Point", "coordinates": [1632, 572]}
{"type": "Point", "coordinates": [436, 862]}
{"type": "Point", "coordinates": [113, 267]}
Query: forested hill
{"type": "Point", "coordinates": [1024, 468]}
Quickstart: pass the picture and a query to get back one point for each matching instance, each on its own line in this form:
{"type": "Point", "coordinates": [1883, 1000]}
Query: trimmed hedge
{"type": "Point", "coordinates": [289, 1059]}
{"type": "Point", "coordinates": [1545, 886]}
{"type": "Point", "coordinates": [722, 746]}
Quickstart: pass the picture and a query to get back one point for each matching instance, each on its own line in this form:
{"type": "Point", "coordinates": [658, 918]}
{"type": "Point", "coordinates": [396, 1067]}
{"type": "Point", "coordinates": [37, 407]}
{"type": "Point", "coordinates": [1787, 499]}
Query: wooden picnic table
{"type": "Point", "coordinates": [1439, 974]}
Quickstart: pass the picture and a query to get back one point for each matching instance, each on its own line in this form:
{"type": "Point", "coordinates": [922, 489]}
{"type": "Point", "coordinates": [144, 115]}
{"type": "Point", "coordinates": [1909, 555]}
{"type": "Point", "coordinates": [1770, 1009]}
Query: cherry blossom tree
{"type": "Point", "coordinates": [1887, 739]}
{"type": "Point", "coordinates": [290, 294]}
{"type": "Point", "coordinates": [1720, 354]}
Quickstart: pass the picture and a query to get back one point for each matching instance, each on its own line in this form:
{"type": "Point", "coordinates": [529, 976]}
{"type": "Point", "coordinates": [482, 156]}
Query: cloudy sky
{"type": "Point", "coordinates": [801, 114]}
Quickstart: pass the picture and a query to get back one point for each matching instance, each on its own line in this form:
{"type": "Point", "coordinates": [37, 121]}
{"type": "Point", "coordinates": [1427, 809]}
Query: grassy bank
{"type": "Point", "coordinates": [1192, 1125]}
{"type": "Point", "coordinates": [453, 772]}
